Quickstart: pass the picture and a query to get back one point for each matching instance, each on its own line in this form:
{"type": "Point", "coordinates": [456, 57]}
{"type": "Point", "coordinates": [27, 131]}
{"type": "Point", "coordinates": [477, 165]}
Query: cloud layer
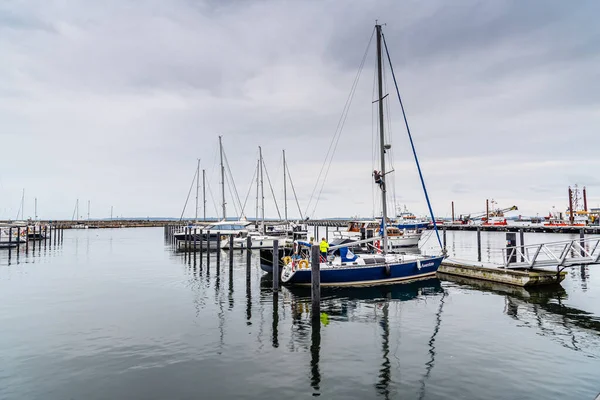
{"type": "Point", "coordinates": [114, 101]}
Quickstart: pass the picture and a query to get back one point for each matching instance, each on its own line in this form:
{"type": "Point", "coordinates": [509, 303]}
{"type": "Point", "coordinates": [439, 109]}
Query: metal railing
{"type": "Point", "coordinates": [554, 254]}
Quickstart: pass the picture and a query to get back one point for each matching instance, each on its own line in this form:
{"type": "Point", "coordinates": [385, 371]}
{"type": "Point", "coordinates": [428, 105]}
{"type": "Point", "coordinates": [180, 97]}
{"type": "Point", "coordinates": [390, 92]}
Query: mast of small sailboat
{"type": "Point", "coordinates": [204, 194]}
{"type": "Point", "coordinates": [257, 187]}
{"type": "Point", "coordinates": [88, 218]}
{"type": "Point", "coordinates": [197, 188]}
{"type": "Point", "coordinates": [222, 178]}
{"type": "Point", "coordinates": [284, 190]}
{"type": "Point", "coordinates": [262, 191]}
{"type": "Point", "coordinates": [381, 139]}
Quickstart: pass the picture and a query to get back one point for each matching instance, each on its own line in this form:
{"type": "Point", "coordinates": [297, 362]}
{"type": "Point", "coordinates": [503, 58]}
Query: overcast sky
{"type": "Point", "coordinates": [114, 101]}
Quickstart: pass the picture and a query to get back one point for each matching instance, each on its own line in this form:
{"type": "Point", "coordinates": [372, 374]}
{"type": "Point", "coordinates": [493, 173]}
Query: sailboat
{"type": "Point", "coordinates": [78, 224]}
{"type": "Point", "coordinates": [341, 267]}
{"type": "Point", "coordinates": [259, 239]}
{"type": "Point", "coordinates": [213, 234]}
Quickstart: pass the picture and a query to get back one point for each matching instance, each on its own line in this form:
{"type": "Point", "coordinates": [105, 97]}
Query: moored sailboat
{"type": "Point", "coordinates": [343, 267]}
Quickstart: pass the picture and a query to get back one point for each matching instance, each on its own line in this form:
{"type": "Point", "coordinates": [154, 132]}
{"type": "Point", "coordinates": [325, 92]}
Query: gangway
{"type": "Point", "coordinates": [557, 255]}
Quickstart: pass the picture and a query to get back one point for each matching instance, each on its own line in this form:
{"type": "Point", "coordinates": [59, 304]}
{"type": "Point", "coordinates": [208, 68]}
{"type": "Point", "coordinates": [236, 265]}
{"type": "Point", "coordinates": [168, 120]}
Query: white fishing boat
{"type": "Point", "coordinates": [341, 267]}
{"type": "Point", "coordinates": [407, 220]}
{"type": "Point", "coordinates": [398, 239]}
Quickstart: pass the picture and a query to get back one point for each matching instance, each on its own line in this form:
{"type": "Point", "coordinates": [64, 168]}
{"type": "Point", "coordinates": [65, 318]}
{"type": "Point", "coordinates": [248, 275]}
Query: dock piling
{"type": "Point", "coordinates": [444, 237]}
{"type": "Point", "coordinates": [230, 254]}
{"type": "Point", "coordinates": [511, 247]}
{"type": "Point", "coordinates": [522, 240]}
{"type": "Point", "coordinates": [218, 250]}
{"type": "Point", "coordinates": [9, 238]}
{"type": "Point", "coordinates": [275, 265]}
{"type": "Point", "coordinates": [581, 241]}
{"type": "Point", "coordinates": [248, 256]}
{"type": "Point", "coordinates": [479, 244]}
{"type": "Point", "coordinates": [207, 249]}
{"type": "Point", "coordinates": [18, 238]}
{"type": "Point", "coordinates": [315, 292]}
{"type": "Point", "coordinates": [201, 246]}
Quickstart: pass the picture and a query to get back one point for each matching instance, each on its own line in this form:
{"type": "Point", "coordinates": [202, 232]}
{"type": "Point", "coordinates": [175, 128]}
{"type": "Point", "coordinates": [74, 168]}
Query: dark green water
{"type": "Point", "coordinates": [115, 314]}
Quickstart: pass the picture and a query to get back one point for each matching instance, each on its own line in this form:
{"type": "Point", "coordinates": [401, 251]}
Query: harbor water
{"type": "Point", "coordinates": [117, 314]}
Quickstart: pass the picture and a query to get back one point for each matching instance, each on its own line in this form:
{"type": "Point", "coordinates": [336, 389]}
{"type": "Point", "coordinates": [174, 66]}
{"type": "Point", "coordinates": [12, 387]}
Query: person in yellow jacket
{"type": "Point", "coordinates": [324, 246]}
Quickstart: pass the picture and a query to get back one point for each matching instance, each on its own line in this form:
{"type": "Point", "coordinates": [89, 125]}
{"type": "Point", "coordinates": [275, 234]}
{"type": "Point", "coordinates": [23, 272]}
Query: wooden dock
{"type": "Point", "coordinates": [494, 273]}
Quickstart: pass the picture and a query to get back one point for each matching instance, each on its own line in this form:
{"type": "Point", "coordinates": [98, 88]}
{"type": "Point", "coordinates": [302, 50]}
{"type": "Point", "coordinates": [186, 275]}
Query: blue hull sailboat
{"type": "Point", "coordinates": [343, 268]}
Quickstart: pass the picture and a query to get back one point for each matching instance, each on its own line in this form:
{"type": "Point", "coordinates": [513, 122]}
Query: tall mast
{"type": "Point", "coordinates": [88, 210]}
{"type": "Point", "coordinates": [262, 190]}
{"type": "Point", "coordinates": [23, 205]}
{"type": "Point", "coordinates": [257, 186]}
{"type": "Point", "coordinates": [36, 217]}
{"type": "Point", "coordinates": [197, 187]}
{"type": "Point", "coordinates": [284, 189]}
{"type": "Point", "coordinates": [222, 178]}
{"type": "Point", "coordinates": [381, 138]}
{"type": "Point", "coordinates": [204, 193]}
{"type": "Point", "coordinates": [77, 209]}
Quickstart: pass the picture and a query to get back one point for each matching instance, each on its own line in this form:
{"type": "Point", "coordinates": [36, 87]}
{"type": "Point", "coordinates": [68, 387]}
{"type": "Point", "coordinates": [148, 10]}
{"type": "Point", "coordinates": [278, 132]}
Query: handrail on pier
{"type": "Point", "coordinates": [560, 254]}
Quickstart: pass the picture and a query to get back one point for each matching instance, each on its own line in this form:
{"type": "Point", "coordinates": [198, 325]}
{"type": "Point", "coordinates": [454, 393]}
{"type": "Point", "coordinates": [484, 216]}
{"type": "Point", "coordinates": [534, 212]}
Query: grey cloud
{"type": "Point", "coordinates": [117, 99]}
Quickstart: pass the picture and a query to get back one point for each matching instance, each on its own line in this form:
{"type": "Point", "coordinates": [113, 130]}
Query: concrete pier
{"type": "Point", "coordinates": [517, 277]}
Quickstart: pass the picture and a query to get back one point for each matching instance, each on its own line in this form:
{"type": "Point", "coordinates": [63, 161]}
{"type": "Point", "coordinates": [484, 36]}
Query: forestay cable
{"type": "Point", "coordinates": [412, 145]}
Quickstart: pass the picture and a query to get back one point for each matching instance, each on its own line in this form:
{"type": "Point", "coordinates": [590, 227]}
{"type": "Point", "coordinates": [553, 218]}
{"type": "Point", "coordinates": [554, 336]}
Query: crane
{"type": "Point", "coordinates": [492, 212]}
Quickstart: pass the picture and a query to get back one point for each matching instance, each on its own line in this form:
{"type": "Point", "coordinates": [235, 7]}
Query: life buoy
{"type": "Point", "coordinates": [286, 260]}
{"type": "Point", "coordinates": [303, 264]}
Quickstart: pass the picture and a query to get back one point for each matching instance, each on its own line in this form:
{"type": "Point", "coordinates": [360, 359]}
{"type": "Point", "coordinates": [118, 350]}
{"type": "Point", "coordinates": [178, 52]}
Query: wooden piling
{"type": "Point", "coordinates": [315, 292]}
{"type": "Point", "coordinates": [479, 244]}
{"type": "Point", "coordinates": [188, 233]}
{"type": "Point", "coordinates": [230, 254]}
{"type": "Point", "coordinates": [218, 250]}
{"type": "Point", "coordinates": [27, 241]}
{"type": "Point", "coordinates": [19, 237]}
{"type": "Point", "coordinates": [511, 247]}
{"type": "Point", "coordinates": [327, 233]}
{"type": "Point", "coordinates": [444, 236]}
{"type": "Point", "coordinates": [45, 233]}
{"type": "Point", "coordinates": [9, 237]}
{"type": "Point", "coordinates": [248, 257]}
{"type": "Point", "coordinates": [522, 240]}
{"type": "Point", "coordinates": [201, 246]}
{"type": "Point", "coordinates": [275, 265]}
{"type": "Point", "coordinates": [34, 241]}
{"type": "Point", "coordinates": [195, 240]}
{"type": "Point", "coordinates": [581, 241]}
{"type": "Point", "coordinates": [207, 249]}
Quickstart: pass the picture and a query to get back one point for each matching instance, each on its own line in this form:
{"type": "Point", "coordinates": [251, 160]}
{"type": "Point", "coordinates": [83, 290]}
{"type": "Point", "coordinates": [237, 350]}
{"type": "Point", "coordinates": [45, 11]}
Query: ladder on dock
{"type": "Point", "coordinates": [553, 254]}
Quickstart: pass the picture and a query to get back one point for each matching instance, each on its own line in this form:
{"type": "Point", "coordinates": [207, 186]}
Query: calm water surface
{"type": "Point", "coordinates": [116, 314]}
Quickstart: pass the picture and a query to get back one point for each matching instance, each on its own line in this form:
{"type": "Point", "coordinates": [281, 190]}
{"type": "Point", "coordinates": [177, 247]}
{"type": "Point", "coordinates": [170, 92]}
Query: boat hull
{"type": "Point", "coordinates": [366, 274]}
{"type": "Point", "coordinates": [412, 226]}
{"type": "Point", "coordinates": [266, 258]}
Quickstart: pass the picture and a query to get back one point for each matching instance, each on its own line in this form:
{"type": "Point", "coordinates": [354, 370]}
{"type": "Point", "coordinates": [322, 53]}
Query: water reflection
{"type": "Point", "coordinates": [544, 309]}
{"type": "Point", "coordinates": [338, 302]}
